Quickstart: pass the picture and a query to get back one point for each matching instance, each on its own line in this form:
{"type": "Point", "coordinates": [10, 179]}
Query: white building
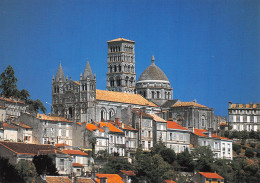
{"type": "Point", "coordinates": [244, 116]}
{"type": "Point", "coordinates": [178, 137]}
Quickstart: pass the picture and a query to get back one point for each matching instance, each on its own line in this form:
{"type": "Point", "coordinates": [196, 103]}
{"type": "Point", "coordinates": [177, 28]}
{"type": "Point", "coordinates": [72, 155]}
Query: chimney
{"type": "Point", "coordinates": [191, 128]}
{"type": "Point", "coordinates": [117, 121]}
{"type": "Point", "coordinates": [195, 101]}
{"type": "Point", "coordinates": [170, 119]}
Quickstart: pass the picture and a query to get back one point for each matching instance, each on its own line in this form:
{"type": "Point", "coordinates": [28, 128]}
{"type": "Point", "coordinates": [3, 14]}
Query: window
{"type": "Point", "coordinates": [62, 164]}
{"type": "Point", "coordinates": [158, 94]}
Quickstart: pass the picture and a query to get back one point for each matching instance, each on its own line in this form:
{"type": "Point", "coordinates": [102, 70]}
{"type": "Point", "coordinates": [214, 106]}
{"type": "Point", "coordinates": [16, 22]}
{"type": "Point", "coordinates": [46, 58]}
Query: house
{"type": "Point", "coordinates": [24, 132]}
{"type": "Point", "coordinates": [131, 143]}
{"type": "Point", "coordinates": [98, 136]}
{"type": "Point", "coordinates": [127, 176]}
{"type": "Point", "coordinates": [221, 147]}
{"type": "Point", "coordinates": [48, 129]}
{"type": "Point", "coordinates": [15, 151]}
{"type": "Point", "coordinates": [108, 178]}
{"type": "Point", "coordinates": [144, 123]}
{"type": "Point", "coordinates": [14, 107]}
{"type": "Point", "coordinates": [159, 129]}
{"type": "Point", "coordinates": [244, 116]}
{"type": "Point", "coordinates": [178, 137]}
{"type": "Point", "coordinates": [80, 161]}
{"type": "Point", "coordinates": [10, 132]}
{"type": "Point", "coordinates": [207, 177]}
{"type": "Point", "coordinates": [57, 179]}
{"type": "Point", "coordinates": [116, 138]}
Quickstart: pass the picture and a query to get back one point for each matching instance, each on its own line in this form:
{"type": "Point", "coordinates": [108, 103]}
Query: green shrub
{"type": "Point", "coordinates": [249, 153]}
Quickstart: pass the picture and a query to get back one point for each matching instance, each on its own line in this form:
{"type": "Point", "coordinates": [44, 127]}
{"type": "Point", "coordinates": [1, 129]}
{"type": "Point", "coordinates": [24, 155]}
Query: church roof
{"type": "Point", "coordinates": [183, 104]}
{"type": "Point", "coordinates": [120, 97]}
{"type": "Point", "coordinates": [157, 118]}
{"type": "Point", "coordinates": [120, 39]}
{"type": "Point", "coordinates": [60, 74]}
{"type": "Point", "coordinates": [87, 71]}
{"type": "Point", "coordinates": [153, 72]}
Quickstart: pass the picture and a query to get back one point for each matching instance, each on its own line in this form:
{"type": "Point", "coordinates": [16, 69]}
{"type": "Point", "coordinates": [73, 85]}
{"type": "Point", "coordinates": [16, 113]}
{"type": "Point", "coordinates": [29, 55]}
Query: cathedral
{"type": "Point", "coordinates": [80, 101]}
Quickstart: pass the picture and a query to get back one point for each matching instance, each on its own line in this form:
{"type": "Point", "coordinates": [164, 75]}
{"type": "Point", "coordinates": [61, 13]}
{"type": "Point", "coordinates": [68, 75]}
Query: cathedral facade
{"type": "Point", "coordinates": [80, 101]}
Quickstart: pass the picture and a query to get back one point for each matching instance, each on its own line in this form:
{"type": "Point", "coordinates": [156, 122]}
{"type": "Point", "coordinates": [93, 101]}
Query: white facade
{"type": "Point", "coordinates": [226, 149]}
{"type": "Point", "coordinates": [244, 116]}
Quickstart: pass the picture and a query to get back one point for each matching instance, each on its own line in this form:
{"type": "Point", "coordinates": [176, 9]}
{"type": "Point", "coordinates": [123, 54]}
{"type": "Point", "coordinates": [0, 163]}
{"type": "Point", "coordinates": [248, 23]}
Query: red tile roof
{"type": "Point", "coordinates": [120, 97]}
{"type": "Point", "coordinates": [182, 104]}
{"type": "Point", "coordinates": [175, 125]}
{"type": "Point", "coordinates": [10, 126]}
{"type": "Point", "coordinates": [211, 175]}
{"type": "Point", "coordinates": [92, 127]}
{"type": "Point", "coordinates": [11, 100]}
{"type": "Point", "coordinates": [52, 118]}
{"type": "Point", "coordinates": [22, 125]}
{"type": "Point", "coordinates": [30, 149]}
{"type": "Point", "coordinates": [129, 173]}
{"type": "Point", "coordinates": [126, 127]}
{"type": "Point", "coordinates": [111, 127]}
{"type": "Point", "coordinates": [77, 164]}
{"type": "Point", "coordinates": [84, 180]}
{"type": "Point", "coordinates": [203, 133]}
{"type": "Point", "coordinates": [74, 152]}
{"type": "Point", "coordinates": [57, 179]}
{"type": "Point", "coordinates": [157, 118]}
{"type": "Point", "coordinates": [111, 178]}
{"type": "Point", "coordinates": [169, 181]}
{"type": "Point", "coordinates": [61, 145]}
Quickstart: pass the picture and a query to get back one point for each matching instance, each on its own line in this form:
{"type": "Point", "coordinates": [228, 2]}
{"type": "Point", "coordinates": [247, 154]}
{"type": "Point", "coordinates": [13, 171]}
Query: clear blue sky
{"type": "Point", "coordinates": [209, 49]}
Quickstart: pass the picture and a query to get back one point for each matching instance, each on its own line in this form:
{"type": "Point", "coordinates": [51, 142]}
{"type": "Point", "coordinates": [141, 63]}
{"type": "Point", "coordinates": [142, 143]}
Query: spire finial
{"type": "Point", "coordinates": [152, 59]}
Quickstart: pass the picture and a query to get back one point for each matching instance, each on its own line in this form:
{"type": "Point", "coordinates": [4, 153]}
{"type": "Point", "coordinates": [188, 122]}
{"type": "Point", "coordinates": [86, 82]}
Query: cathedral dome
{"type": "Point", "coordinates": [153, 72]}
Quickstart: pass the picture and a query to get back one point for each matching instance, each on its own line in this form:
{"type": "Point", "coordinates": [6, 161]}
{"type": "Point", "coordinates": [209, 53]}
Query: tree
{"type": "Point", "coordinates": [36, 106]}
{"type": "Point", "coordinates": [249, 153]}
{"type": "Point", "coordinates": [204, 158]}
{"type": "Point", "coordinates": [185, 160]}
{"type": "Point", "coordinates": [26, 170]}
{"type": "Point", "coordinates": [44, 165]}
{"type": "Point", "coordinates": [24, 95]}
{"type": "Point", "coordinates": [8, 173]}
{"type": "Point", "coordinates": [115, 164]}
{"type": "Point", "coordinates": [167, 154]}
{"type": "Point", "coordinates": [8, 82]}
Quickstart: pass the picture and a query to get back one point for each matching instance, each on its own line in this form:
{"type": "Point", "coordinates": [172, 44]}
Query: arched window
{"type": "Point", "coordinates": [70, 112]}
{"type": "Point", "coordinates": [111, 70]}
{"type": "Point", "coordinates": [115, 68]}
{"type": "Point", "coordinates": [119, 68]}
{"type": "Point", "coordinates": [126, 81]}
{"type": "Point", "coordinates": [152, 94]}
{"type": "Point", "coordinates": [144, 94]}
{"type": "Point", "coordinates": [118, 82]}
{"type": "Point", "coordinates": [203, 121]}
{"type": "Point", "coordinates": [129, 68]}
{"type": "Point", "coordinates": [103, 114]}
{"type": "Point", "coordinates": [111, 113]}
{"type": "Point", "coordinates": [158, 94]}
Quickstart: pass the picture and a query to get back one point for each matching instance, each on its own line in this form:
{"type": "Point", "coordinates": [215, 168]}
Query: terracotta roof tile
{"type": "Point", "coordinates": [139, 112]}
{"type": "Point", "coordinates": [77, 82]}
{"type": "Point", "coordinates": [111, 127]}
{"type": "Point", "coordinates": [31, 149]}
{"type": "Point", "coordinates": [84, 180]}
{"type": "Point", "coordinates": [211, 175]}
{"type": "Point", "coordinates": [169, 181]}
{"type": "Point", "coordinates": [175, 125]}
{"type": "Point", "coordinates": [92, 127]}
{"type": "Point", "coordinates": [61, 145]}
{"type": "Point", "coordinates": [120, 97]}
{"type": "Point", "coordinates": [11, 100]}
{"type": "Point", "coordinates": [57, 179]}
{"type": "Point", "coordinates": [126, 126]}
{"type": "Point", "coordinates": [129, 173]}
{"type": "Point", "coordinates": [120, 39]}
{"type": "Point", "coordinates": [202, 133]}
{"type": "Point", "coordinates": [157, 118]}
{"type": "Point", "coordinates": [22, 125]}
{"type": "Point", "coordinates": [111, 178]}
{"type": "Point", "coordinates": [74, 152]}
{"type": "Point", "coordinates": [77, 164]}
{"type": "Point", "coordinates": [52, 118]}
{"type": "Point", "coordinates": [182, 104]}
{"type": "Point", "coordinates": [9, 126]}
